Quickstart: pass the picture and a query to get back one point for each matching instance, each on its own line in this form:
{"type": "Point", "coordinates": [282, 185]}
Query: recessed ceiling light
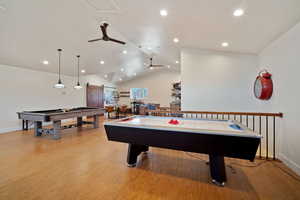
{"type": "Point", "coordinates": [151, 68]}
{"type": "Point", "coordinates": [45, 62]}
{"type": "Point", "coordinates": [238, 12]}
{"type": "Point", "coordinates": [176, 40]}
{"type": "Point", "coordinates": [225, 44]}
{"type": "Point", "coordinates": [177, 62]}
{"type": "Point", "coordinates": [105, 76]}
{"type": "Point", "coordinates": [82, 71]}
{"type": "Point", "coordinates": [134, 74]}
{"type": "Point", "coordinates": [122, 69]}
{"type": "Point", "coordinates": [163, 12]}
{"type": "Point", "coordinates": [120, 79]}
{"type": "Point", "coordinates": [102, 62]}
{"type": "Point", "coordinates": [168, 66]}
{"type": "Point", "coordinates": [149, 48]}
{"type": "Point", "coordinates": [124, 52]}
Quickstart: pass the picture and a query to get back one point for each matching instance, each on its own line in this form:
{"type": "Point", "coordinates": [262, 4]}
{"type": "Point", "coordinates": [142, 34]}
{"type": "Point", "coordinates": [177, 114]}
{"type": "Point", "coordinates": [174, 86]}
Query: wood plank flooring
{"type": "Point", "coordinates": [84, 165]}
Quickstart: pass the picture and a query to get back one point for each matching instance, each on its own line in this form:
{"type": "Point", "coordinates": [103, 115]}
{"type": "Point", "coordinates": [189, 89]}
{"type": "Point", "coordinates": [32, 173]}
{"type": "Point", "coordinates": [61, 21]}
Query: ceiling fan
{"type": "Point", "coordinates": [105, 37]}
{"type": "Point", "coordinates": [151, 66]}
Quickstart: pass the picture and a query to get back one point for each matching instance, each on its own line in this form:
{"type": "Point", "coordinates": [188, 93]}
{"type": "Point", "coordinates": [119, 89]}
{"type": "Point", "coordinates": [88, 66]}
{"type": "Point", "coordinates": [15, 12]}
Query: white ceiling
{"type": "Point", "coordinates": [31, 31]}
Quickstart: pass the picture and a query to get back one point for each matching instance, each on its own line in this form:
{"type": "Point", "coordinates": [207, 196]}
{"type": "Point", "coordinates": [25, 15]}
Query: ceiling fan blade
{"type": "Point", "coordinates": [157, 65]}
{"type": "Point", "coordinates": [118, 41]}
{"type": "Point", "coordinates": [95, 40]}
{"type": "Point", "coordinates": [103, 29]}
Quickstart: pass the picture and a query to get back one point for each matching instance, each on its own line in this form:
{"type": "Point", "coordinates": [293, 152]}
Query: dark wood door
{"type": "Point", "coordinates": [95, 96]}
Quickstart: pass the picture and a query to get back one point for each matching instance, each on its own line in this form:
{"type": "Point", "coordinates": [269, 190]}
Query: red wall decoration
{"type": "Point", "coordinates": [263, 85]}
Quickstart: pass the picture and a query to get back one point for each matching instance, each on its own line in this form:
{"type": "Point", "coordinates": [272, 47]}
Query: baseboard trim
{"type": "Point", "coordinates": [291, 164]}
{"type": "Point", "coordinates": [8, 130]}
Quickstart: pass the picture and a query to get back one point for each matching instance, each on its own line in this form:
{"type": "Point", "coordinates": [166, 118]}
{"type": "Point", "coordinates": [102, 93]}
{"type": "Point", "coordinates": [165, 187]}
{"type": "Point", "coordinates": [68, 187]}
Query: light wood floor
{"type": "Point", "coordinates": [84, 165]}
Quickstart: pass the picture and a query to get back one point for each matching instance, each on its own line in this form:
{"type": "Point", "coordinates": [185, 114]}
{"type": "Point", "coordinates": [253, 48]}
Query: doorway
{"type": "Point", "coordinates": [95, 96]}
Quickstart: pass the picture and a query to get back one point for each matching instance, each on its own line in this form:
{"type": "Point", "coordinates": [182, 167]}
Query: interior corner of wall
{"type": "Point", "coordinates": [290, 163]}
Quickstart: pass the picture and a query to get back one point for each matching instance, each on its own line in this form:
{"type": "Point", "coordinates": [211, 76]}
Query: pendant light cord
{"type": "Point", "coordinates": [59, 55]}
{"type": "Point", "coordinates": [78, 68]}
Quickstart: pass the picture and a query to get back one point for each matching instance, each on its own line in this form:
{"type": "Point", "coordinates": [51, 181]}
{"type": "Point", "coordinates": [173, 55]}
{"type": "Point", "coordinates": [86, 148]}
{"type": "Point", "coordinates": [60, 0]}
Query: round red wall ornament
{"type": "Point", "coordinates": [263, 85]}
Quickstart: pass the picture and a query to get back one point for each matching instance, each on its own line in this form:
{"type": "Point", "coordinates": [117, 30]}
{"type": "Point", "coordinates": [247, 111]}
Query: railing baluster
{"type": "Point", "coordinates": [253, 123]}
{"type": "Point", "coordinates": [247, 120]}
{"type": "Point", "coordinates": [260, 134]}
{"type": "Point", "coordinates": [267, 136]}
{"type": "Point", "coordinates": [241, 118]}
{"type": "Point", "coordinates": [274, 141]}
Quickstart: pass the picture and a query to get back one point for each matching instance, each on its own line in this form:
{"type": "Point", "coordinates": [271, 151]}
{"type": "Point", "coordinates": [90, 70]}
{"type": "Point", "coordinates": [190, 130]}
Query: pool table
{"type": "Point", "coordinates": [56, 116]}
{"type": "Point", "coordinates": [217, 138]}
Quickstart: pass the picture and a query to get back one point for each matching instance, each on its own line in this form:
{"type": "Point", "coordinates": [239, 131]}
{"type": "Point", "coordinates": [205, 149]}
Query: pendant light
{"type": "Point", "coordinates": [78, 86]}
{"type": "Point", "coordinates": [59, 84]}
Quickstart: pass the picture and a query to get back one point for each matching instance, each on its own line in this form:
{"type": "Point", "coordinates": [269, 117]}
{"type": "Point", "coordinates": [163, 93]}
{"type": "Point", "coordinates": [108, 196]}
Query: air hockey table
{"type": "Point", "coordinates": [217, 138]}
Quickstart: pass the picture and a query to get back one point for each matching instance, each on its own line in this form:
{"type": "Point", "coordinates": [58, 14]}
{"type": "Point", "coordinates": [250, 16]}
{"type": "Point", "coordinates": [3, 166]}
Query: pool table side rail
{"type": "Point", "coordinates": [46, 117]}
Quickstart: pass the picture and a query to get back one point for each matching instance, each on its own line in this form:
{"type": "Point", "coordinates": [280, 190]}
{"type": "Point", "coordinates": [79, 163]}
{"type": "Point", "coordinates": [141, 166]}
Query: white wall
{"type": "Point", "coordinates": [159, 84]}
{"type": "Point", "coordinates": [224, 82]}
{"type": "Point", "coordinates": [23, 89]}
{"type": "Point", "coordinates": [97, 80]}
{"type": "Point", "coordinates": [218, 81]}
{"type": "Point", "coordinates": [282, 59]}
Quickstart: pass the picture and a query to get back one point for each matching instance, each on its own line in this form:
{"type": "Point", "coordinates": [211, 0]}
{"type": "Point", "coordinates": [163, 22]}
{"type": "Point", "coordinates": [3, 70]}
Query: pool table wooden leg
{"type": "Point", "coordinates": [133, 151]}
{"type": "Point", "coordinates": [96, 121]}
{"type": "Point", "coordinates": [56, 129]}
{"type": "Point", "coordinates": [79, 122]}
{"type": "Point", "coordinates": [37, 127]}
{"type": "Point", "coordinates": [25, 125]}
{"type": "Point", "coordinates": [217, 169]}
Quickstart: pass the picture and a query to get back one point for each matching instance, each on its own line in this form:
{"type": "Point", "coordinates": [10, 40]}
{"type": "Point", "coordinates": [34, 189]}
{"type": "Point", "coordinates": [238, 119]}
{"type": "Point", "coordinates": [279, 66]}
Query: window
{"type": "Point", "coordinates": [138, 93]}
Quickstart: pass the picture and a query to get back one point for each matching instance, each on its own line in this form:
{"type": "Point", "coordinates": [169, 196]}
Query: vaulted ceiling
{"type": "Point", "coordinates": [31, 31]}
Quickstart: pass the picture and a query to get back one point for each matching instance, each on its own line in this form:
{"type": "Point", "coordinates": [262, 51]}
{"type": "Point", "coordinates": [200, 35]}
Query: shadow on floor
{"type": "Point", "coordinates": [193, 169]}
